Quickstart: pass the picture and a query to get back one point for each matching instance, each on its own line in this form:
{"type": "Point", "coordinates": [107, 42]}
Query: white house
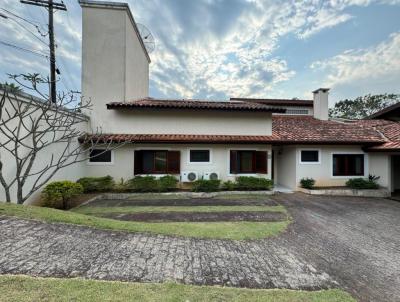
{"type": "Point", "coordinates": [283, 140]}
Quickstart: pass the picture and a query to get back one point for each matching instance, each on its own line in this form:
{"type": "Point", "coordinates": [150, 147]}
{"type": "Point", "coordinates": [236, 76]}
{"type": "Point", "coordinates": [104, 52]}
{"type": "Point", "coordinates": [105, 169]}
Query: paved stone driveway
{"type": "Point", "coordinates": [352, 243]}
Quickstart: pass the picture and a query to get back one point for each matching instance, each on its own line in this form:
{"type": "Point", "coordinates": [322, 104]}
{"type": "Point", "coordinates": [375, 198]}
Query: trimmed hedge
{"type": "Point", "coordinates": [57, 194]}
{"type": "Point", "coordinates": [167, 183]}
{"type": "Point", "coordinates": [251, 183]}
{"type": "Point", "coordinates": [145, 184]}
{"type": "Point", "coordinates": [203, 185]}
{"type": "Point", "coordinates": [307, 183]}
{"type": "Point", "coordinates": [97, 184]}
{"type": "Point", "coordinates": [362, 183]}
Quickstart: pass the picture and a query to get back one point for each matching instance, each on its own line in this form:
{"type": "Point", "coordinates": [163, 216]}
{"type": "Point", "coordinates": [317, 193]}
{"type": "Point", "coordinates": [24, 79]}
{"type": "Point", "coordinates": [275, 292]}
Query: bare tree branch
{"type": "Point", "coordinates": [33, 128]}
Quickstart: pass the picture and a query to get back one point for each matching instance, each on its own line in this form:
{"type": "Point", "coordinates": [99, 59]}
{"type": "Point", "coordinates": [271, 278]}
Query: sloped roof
{"type": "Point", "coordinates": [178, 138]}
{"type": "Point", "coordinates": [278, 102]}
{"type": "Point", "coordinates": [285, 130]}
{"type": "Point", "coordinates": [389, 129]}
{"type": "Point", "coordinates": [307, 129]}
{"type": "Point", "coordinates": [391, 109]}
{"type": "Point", "coordinates": [193, 104]}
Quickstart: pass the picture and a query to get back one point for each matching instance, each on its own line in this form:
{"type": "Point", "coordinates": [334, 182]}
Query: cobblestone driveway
{"type": "Point", "coordinates": [352, 243]}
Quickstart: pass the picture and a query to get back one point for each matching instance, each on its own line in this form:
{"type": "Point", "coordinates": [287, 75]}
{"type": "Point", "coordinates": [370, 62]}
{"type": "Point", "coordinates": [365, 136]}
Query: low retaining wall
{"type": "Point", "coordinates": [122, 196]}
{"type": "Point", "coordinates": [347, 192]}
{"type": "Point", "coordinates": [183, 194]}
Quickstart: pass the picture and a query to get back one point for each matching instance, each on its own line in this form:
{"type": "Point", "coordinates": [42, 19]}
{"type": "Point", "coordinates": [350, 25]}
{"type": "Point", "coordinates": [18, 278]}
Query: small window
{"type": "Point", "coordinates": [309, 156]}
{"type": "Point", "coordinates": [199, 156]}
{"type": "Point", "coordinates": [100, 156]}
{"type": "Point", "coordinates": [348, 164]}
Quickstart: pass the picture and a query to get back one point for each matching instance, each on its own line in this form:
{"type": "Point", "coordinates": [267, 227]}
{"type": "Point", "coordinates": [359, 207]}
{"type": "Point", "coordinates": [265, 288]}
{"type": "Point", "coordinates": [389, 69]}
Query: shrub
{"type": "Point", "coordinates": [142, 184]}
{"type": "Point", "coordinates": [228, 186]}
{"type": "Point", "coordinates": [97, 184]}
{"type": "Point", "coordinates": [362, 183]}
{"type": "Point", "coordinates": [167, 183]}
{"type": "Point", "coordinates": [251, 183]}
{"type": "Point", "coordinates": [57, 194]}
{"type": "Point", "coordinates": [307, 183]}
{"type": "Point", "coordinates": [121, 186]}
{"type": "Point", "coordinates": [203, 185]}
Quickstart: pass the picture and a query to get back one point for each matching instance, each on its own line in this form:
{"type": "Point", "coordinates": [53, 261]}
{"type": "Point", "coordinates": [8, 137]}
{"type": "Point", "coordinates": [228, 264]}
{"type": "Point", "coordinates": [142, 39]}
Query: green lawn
{"type": "Point", "coordinates": [217, 230]}
{"type": "Point", "coordinates": [94, 210]}
{"type": "Point", "coordinates": [23, 288]}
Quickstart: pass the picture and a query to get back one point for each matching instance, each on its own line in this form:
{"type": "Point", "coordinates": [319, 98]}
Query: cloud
{"type": "Point", "coordinates": [204, 48]}
{"type": "Point", "coordinates": [363, 65]}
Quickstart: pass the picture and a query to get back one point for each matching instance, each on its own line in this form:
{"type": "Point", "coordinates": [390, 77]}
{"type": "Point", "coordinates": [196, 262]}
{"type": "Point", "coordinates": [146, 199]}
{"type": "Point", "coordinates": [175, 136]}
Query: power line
{"type": "Point", "coordinates": [24, 49]}
{"type": "Point", "coordinates": [28, 30]}
{"type": "Point", "coordinates": [51, 6]}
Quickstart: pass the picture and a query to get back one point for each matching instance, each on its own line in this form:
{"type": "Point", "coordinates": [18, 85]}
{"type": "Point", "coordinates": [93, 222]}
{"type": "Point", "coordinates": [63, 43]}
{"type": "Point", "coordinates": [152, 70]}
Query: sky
{"type": "Point", "coordinates": [217, 49]}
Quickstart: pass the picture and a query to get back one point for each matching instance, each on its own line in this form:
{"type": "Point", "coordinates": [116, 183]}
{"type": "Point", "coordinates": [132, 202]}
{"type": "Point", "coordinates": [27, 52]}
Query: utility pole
{"type": "Point", "coordinates": [51, 6]}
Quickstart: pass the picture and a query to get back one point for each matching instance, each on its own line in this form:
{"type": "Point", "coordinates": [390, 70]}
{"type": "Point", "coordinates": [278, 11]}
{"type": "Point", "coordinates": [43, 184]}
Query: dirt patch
{"type": "Point", "coordinates": [183, 202]}
{"type": "Point", "coordinates": [199, 216]}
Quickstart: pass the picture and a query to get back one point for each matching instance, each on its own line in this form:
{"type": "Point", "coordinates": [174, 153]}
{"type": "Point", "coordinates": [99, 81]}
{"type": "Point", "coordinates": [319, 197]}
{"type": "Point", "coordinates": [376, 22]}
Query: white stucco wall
{"type": "Point", "coordinates": [114, 65]}
{"type": "Point", "coordinates": [123, 160]}
{"type": "Point", "coordinates": [286, 166]}
{"type": "Point", "coordinates": [187, 122]}
{"type": "Point", "coordinates": [72, 172]}
{"type": "Point", "coordinates": [291, 170]}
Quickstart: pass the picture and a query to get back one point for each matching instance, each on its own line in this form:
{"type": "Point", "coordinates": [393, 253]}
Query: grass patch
{"type": "Point", "coordinates": [217, 230]}
{"type": "Point", "coordinates": [93, 210]}
{"type": "Point", "coordinates": [24, 288]}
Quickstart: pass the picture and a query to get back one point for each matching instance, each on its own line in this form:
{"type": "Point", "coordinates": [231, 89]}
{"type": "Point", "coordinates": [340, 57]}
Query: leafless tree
{"type": "Point", "coordinates": [33, 128]}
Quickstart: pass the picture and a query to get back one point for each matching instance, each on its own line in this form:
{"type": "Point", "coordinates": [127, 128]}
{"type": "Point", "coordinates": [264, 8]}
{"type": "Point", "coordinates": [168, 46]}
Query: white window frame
{"type": "Point", "coordinates": [199, 163]}
{"type": "Point", "coordinates": [111, 163]}
{"type": "Point", "coordinates": [308, 162]}
{"type": "Point", "coordinates": [366, 165]}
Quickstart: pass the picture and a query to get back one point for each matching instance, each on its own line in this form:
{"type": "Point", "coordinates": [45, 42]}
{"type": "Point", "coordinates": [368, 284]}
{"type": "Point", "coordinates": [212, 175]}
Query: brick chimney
{"type": "Point", "coordinates": [321, 103]}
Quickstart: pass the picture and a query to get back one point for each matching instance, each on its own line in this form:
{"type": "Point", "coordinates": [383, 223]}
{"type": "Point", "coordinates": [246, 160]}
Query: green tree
{"type": "Point", "coordinates": [363, 106]}
{"type": "Point", "coordinates": [10, 87]}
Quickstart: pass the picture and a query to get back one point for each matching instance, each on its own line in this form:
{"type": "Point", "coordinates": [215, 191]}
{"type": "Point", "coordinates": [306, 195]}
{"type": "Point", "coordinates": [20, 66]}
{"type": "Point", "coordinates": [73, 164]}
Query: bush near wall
{"type": "Point", "coordinates": [145, 184]}
{"type": "Point", "coordinates": [167, 183]}
{"type": "Point", "coordinates": [307, 183]}
{"type": "Point", "coordinates": [58, 194]}
{"type": "Point", "coordinates": [251, 183]}
{"type": "Point", "coordinates": [97, 184]}
{"type": "Point", "coordinates": [361, 183]}
{"type": "Point", "coordinates": [203, 185]}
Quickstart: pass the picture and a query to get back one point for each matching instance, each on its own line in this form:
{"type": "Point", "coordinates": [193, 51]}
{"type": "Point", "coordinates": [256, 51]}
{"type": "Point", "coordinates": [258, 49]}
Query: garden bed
{"type": "Point", "coordinates": [199, 216]}
{"type": "Point", "coordinates": [345, 191]}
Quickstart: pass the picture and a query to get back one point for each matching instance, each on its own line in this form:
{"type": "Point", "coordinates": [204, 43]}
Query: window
{"type": "Point", "coordinates": [199, 156]}
{"type": "Point", "coordinates": [309, 156]}
{"type": "Point", "coordinates": [297, 111]}
{"type": "Point", "coordinates": [100, 156]}
{"type": "Point", "coordinates": [157, 162]}
{"type": "Point", "coordinates": [348, 164]}
{"type": "Point", "coordinates": [248, 161]}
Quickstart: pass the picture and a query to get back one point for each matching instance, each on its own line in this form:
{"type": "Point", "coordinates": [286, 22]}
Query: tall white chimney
{"type": "Point", "coordinates": [321, 103]}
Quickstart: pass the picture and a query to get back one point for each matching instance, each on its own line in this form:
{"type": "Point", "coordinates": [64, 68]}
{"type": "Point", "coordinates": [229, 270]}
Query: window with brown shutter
{"type": "Point", "coordinates": [248, 161]}
{"type": "Point", "coordinates": [174, 162]}
{"type": "Point", "coordinates": [157, 162]}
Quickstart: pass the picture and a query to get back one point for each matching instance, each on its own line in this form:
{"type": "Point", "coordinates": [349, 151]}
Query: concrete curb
{"type": "Point", "coordinates": [380, 193]}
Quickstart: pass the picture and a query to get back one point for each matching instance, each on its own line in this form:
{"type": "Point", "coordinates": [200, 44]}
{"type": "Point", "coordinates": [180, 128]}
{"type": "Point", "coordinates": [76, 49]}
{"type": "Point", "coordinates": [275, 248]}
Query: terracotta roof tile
{"type": "Point", "coordinates": [194, 104]}
{"type": "Point", "coordinates": [389, 129]}
{"type": "Point", "coordinates": [278, 102]}
{"type": "Point", "coordinates": [307, 129]}
{"type": "Point", "coordinates": [178, 138]}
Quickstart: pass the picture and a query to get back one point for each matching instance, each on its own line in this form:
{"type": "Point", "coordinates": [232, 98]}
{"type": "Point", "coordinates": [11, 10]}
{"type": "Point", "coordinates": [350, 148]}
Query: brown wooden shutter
{"type": "Point", "coordinates": [138, 163]}
{"type": "Point", "coordinates": [174, 162]}
{"type": "Point", "coordinates": [233, 162]}
{"type": "Point", "coordinates": [261, 162]}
